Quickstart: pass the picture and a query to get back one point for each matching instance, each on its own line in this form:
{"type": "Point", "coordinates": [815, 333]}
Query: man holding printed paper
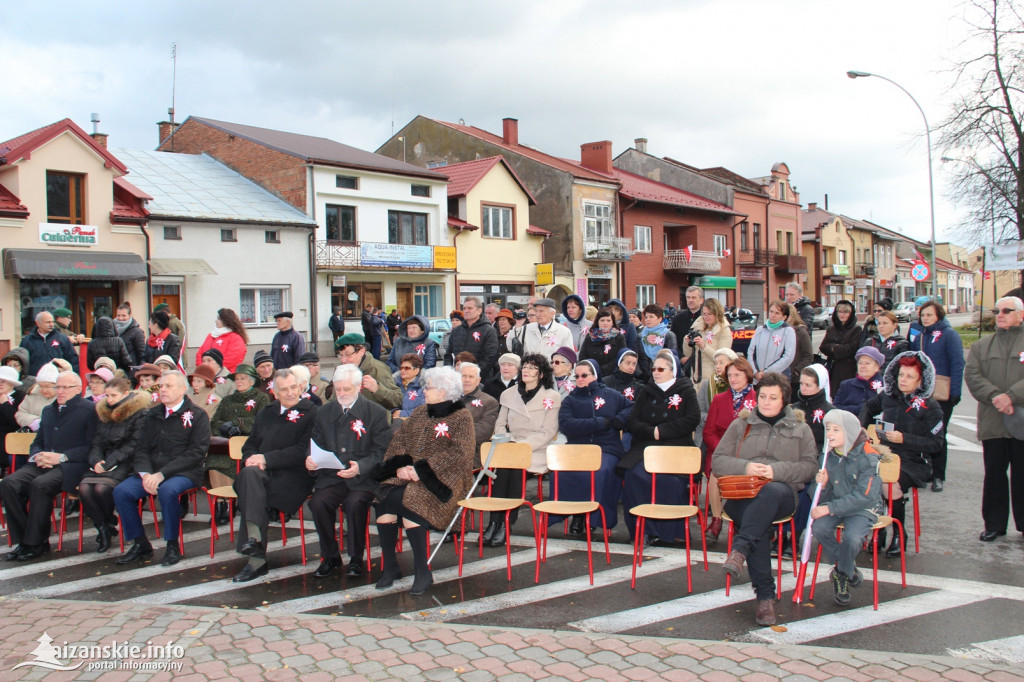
{"type": "Point", "coordinates": [273, 477]}
{"type": "Point", "coordinates": [357, 432]}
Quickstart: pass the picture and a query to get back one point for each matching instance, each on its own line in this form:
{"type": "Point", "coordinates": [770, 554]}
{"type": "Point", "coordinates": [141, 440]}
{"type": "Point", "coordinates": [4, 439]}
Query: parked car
{"type": "Point", "coordinates": [439, 326]}
{"type": "Point", "coordinates": [743, 324]}
{"type": "Point", "coordinates": [906, 311]}
{"type": "Point", "coordinates": [822, 317]}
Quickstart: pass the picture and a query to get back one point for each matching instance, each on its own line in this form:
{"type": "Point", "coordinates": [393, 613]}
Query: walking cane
{"type": "Point", "coordinates": [805, 553]}
{"type": "Point", "coordinates": [485, 471]}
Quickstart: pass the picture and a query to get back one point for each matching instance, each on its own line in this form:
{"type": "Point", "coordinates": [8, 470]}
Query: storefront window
{"type": "Point", "coordinates": [40, 295]}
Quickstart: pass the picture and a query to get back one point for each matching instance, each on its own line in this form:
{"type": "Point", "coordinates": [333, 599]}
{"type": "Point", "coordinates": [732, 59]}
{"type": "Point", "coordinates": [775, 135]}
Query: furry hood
{"type": "Point", "coordinates": [927, 377]}
{"type": "Point", "coordinates": [791, 414]}
{"type": "Point", "coordinates": [135, 402]}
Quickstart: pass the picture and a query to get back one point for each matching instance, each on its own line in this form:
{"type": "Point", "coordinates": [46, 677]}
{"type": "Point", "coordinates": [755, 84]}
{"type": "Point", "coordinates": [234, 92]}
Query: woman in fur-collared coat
{"type": "Point", "coordinates": [427, 469]}
{"type": "Point", "coordinates": [121, 414]}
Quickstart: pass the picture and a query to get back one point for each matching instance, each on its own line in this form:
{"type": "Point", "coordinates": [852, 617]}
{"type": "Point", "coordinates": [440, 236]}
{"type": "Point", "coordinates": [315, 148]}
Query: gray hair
{"type": "Point", "coordinates": [301, 375]}
{"type": "Point", "coordinates": [445, 379]}
{"type": "Point", "coordinates": [469, 365]}
{"type": "Point", "coordinates": [796, 287]}
{"type": "Point", "coordinates": [492, 306]}
{"type": "Point", "coordinates": [287, 372]}
{"type": "Point", "coordinates": [39, 316]}
{"type": "Point", "coordinates": [349, 373]}
{"type": "Point", "coordinates": [697, 289]}
{"type": "Point", "coordinates": [474, 299]}
{"type": "Point", "coordinates": [1015, 301]}
{"type": "Point", "coordinates": [73, 375]}
{"type": "Point", "coordinates": [180, 378]}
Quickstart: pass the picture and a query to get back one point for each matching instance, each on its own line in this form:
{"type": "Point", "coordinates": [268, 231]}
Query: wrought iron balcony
{"type": "Point", "coordinates": [791, 264]}
{"type": "Point", "coordinates": [701, 262]}
{"type": "Point", "coordinates": [340, 256]}
{"type": "Point", "coordinates": [608, 248]}
{"type": "Point", "coordinates": [836, 271]}
{"type": "Point", "coordinates": [866, 270]}
{"type": "Point", "coordinates": [761, 257]}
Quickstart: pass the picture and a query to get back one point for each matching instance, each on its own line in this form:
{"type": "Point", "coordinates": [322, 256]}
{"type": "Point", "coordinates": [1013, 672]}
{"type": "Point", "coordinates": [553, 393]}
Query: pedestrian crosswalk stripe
{"type": "Point", "coordinates": [1008, 650]}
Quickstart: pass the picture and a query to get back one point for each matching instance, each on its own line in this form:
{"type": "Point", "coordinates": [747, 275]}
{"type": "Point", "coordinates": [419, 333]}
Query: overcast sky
{"type": "Point", "coordinates": [735, 83]}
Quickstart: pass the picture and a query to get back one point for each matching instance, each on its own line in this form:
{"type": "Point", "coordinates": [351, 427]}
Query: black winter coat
{"type": "Point", "coordinates": [283, 440]}
{"type": "Point", "coordinates": [481, 340]}
{"type": "Point", "coordinates": [106, 343]}
{"type": "Point", "coordinates": [172, 347]}
{"type": "Point", "coordinates": [605, 353]}
{"type": "Point", "coordinates": [674, 412]}
{"type": "Point", "coordinates": [917, 416]}
{"type": "Point", "coordinates": [362, 435]}
{"type": "Point", "coordinates": [839, 346]}
{"type": "Point", "coordinates": [890, 347]}
{"type": "Point", "coordinates": [814, 407]}
{"type": "Point", "coordinates": [69, 431]}
{"type": "Point", "coordinates": [41, 350]}
{"type": "Point", "coordinates": [176, 445]}
{"type": "Point", "coordinates": [135, 341]}
{"type": "Point", "coordinates": [117, 434]}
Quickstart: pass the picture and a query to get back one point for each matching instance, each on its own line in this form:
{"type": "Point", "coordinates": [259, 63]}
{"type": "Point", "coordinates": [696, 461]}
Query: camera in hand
{"type": "Point", "coordinates": [692, 336]}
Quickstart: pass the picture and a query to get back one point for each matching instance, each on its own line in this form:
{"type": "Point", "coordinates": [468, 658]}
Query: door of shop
{"type": "Point", "coordinates": [752, 296]}
{"type": "Point", "coordinates": [404, 297]}
{"type": "Point", "coordinates": [93, 304]}
{"type": "Point", "coordinates": [169, 294]}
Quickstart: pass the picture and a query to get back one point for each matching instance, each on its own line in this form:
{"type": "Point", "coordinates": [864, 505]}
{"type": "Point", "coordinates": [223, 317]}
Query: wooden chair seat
{"type": "Point", "coordinates": [664, 512]}
{"type": "Point", "coordinates": [492, 504]}
{"type": "Point", "coordinates": [566, 508]}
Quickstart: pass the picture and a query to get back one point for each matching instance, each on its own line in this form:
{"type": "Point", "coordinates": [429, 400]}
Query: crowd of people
{"type": "Point", "coordinates": [394, 437]}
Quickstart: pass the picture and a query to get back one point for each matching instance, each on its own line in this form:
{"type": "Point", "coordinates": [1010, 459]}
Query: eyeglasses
{"type": "Point", "coordinates": [66, 388]}
{"type": "Point", "coordinates": [583, 376]}
{"type": "Point", "coordinates": [661, 369]}
{"type": "Point", "coordinates": [406, 368]}
{"type": "Point", "coordinates": [559, 362]}
{"type": "Point", "coordinates": [1004, 311]}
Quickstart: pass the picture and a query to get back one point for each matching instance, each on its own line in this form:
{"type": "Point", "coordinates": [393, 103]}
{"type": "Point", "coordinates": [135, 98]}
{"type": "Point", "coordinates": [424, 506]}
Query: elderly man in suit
{"type": "Point", "coordinates": [58, 460]}
{"type": "Point", "coordinates": [273, 475]}
{"type": "Point", "coordinates": [170, 461]}
{"type": "Point", "coordinates": [357, 431]}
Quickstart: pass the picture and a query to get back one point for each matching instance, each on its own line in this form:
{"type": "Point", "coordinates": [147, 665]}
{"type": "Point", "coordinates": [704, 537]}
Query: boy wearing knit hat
{"type": "Point", "coordinates": [851, 495]}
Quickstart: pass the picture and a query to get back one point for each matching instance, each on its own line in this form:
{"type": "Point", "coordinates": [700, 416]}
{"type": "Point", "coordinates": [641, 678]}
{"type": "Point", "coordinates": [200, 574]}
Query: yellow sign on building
{"type": "Point", "coordinates": [545, 273]}
{"type": "Point", "coordinates": [444, 258]}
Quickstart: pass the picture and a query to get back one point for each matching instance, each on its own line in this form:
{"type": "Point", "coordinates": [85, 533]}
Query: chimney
{"type": "Point", "coordinates": [101, 139]}
{"type": "Point", "coordinates": [640, 144]}
{"type": "Point", "coordinates": [510, 131]}
{"type": "Point", "coordinates": [812, 206]}
{"type": "Point", "coordinates": [597, 156]}
{"type": "Point", "coordinates": [165, 129]}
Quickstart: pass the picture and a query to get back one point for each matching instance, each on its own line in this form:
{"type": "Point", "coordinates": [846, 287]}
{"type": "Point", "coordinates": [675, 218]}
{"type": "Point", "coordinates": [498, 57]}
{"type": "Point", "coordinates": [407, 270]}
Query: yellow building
{"type": "Point", "coordinates": [70, 228]}
{"type": "Point", "coordinates": [836, 249]}
{"type": "Point", "coordinates": [497, 248]}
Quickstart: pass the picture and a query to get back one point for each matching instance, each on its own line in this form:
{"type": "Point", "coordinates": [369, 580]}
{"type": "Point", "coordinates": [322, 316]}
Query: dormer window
{"type": "Point", "coordinates": [65, 198]}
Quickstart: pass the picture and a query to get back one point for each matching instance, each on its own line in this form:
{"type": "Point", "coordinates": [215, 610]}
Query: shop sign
{"type": "Point", "coordinates": [599, 271]}
{"type": "Point", "coordinates": [395, 255]}
{"type": "Point", "coordinates": [863, 283]}
{"type": "Point", "coordinates": [68, 235]}
{"type": "Point", "coordinates": [581, 287]}
{"type": "Point", "coordinates": [885, 283]}
{"type": "Point", "coordinates": [545, 274]}
{"type": "Point", "coordinates": [444, 258]}
{"type": "Point", "coordinates": [751, 273]}
{"type": "Point", "coordinates": [339, 281]}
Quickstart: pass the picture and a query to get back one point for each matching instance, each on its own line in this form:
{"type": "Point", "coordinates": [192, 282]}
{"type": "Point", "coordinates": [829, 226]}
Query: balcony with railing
{"type": "Point", "coordinates": [760, 257]}
{"type": "Point", "coordinates": [699, 262]}
{"type": "Point", "coordinates": [791, 264]}
{"type": "Point", "coordinates": [836, 271]}
{"type": "Point", "coordinates": [342, 256]}
{"type": "Point", "coordinates": [866, 270]}
{"type": "Point", "coordinates": [608, 248]}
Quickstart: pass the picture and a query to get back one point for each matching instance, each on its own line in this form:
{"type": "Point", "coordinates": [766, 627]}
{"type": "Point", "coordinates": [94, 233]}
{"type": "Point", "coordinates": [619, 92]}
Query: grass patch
{"type": "Point", "coordinates": [969, 334]}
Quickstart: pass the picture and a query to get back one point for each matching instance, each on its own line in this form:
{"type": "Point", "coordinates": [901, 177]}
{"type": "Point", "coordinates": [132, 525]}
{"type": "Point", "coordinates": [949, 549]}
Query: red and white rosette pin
{"type": "Point", "coordinates": [441, 429]}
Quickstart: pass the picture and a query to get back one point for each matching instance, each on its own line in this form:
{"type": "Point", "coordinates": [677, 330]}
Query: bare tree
{"type": "Point", "coordinates": [985, 129]}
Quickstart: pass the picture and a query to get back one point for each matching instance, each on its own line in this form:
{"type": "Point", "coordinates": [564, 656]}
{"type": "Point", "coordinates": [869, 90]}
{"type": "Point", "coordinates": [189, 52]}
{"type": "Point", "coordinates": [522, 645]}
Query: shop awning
{"type": "Point", "coordinates": [68, 264]}
{"type": "Point", "coordinates": [715, 282]}
{"type": "Point", "coordinates": [180, 266]}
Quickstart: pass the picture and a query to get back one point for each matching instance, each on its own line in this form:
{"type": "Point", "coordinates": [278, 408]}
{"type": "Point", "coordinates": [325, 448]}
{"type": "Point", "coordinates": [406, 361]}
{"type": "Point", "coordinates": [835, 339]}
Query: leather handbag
{"type": "Point", "coordinates": [942, 385]}
{"type": "Point", "coordinates": [744, 487]}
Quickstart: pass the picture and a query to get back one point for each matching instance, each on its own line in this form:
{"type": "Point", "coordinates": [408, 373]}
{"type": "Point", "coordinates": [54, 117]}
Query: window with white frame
{"type": "Point", "coordinates": [645, 295]}
{"type": "Point", "coordinates": [597, 221]}
{"type": "Point", "coordinates": [497, 222]}
{"type": "Point", "coordinates": [428, 300]}
{"type": "Point", "coordinates": [721, 244]}
{"type": "Point", "coordinates": [258, 305]}
{"type": "Point", "coordinates": [642, 238]}
{"type": "Point", "coordinates": [842, 257]}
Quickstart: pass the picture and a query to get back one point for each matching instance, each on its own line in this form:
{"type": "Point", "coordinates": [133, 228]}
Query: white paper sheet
{"type": "Point", "coordinates": [325, 459]}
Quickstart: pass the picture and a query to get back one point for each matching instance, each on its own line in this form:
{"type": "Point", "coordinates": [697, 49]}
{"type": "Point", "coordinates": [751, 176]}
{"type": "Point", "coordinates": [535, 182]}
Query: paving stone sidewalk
{"type": "Point", "coordinates": [238, 644]}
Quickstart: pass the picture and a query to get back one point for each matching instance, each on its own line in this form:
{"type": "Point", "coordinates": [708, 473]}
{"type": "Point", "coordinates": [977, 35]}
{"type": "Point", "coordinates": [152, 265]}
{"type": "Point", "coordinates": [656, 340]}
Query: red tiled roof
{"type": "Point", "coordinates": [539, 231]}
{"type": "Point", "coordinates": [949, 266]}
{"type": "Point", "coordinates": [640, 188]}
{"type": "Point", "coordinates": [21, 147]}
{"type": "Point", "coordinates": [132, 189]}
{"type": "Point", "coordinates": [735, 179]}
{"type": "Point", "coordinates": [128, 204]}
{"type": "Point", "coordinates": [460, 224]}
{"type": "Point", "coordinates": [10, 205]}
{"type": "Point", "coordinates": [462, 177]}
{"type": "Point", "coordinates": [530, 153]}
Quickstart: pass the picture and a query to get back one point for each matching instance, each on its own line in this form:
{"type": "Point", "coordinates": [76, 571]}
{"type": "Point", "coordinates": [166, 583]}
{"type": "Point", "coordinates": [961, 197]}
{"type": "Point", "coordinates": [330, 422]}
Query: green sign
{"type": "Point", "coordinates": [713, 282]}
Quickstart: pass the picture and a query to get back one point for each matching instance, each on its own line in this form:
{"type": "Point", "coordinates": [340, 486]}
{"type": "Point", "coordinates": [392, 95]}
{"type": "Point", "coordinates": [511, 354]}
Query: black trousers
{"type": "Point", "coordinates": [939, 459]}
{"type": "Point", "coordinates": [507, 483]}
{"type": "Point", "coordinates": [251, 487]}
{"type": "Point", "coordinates": [28, 496]}
{"type": "Point", "coordinates": [324, 507]}
{"type": "Point", "coordinates": [997, 493]}
{"type": "Point", "coordinates": [753, 533]}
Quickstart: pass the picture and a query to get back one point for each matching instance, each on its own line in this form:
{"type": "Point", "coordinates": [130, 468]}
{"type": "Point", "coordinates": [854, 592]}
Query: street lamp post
{"type": "Point", "coordinates": [931, 187]}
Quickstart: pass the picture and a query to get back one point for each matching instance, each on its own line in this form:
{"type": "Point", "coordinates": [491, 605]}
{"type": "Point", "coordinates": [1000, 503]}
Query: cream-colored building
{"type": "Point", "coordinates": [497, 249]}
{"type": "Point", "coordinates": [70, 229]}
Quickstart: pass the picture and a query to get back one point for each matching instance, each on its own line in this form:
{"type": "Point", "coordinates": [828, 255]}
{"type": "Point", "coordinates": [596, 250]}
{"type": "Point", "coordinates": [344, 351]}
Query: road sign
{"type": "Point", "coordinates": [919, 272]}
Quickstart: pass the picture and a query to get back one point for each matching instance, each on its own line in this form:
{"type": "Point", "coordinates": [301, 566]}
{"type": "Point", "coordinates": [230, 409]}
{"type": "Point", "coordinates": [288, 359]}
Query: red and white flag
{"type": "Point", "coordinates": [688, 253]}
{"type": "Point", "coordinates": [726, 253]}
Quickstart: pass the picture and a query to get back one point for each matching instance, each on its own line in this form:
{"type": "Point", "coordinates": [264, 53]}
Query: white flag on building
{"type": "Point", "coordinates": [1005, 256]}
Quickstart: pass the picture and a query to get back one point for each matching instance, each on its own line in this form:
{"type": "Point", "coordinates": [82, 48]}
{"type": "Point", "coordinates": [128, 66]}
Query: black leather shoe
{"type": "Point", "coordinates": [138, 552]}
{"type": "Point", "coordinates": [327, 567]}
{"type": "Point", "coordinates": [577, 527]}
{"type": "Point", "coordinates": [355, 569]}
{"type": "Point", "coordinates": [33, 552]}
{"type": "Point", "coordinates": [895, 547]}
{"type": "Point", "coordinates": [172, 555]}
{"type": "Point", "coordinates": [249, 573]}
{"type": "Point", "coordinates": [388, 578]}
{"type": "Point", "coordinates": [421, 583]}
{"type": "Point", "coordinates": [252, 547]}
{"type": "Point", "coordinates": [990, 535]}
{"type": "Point", "coordinates": [14, 553]}
{"type": "Point", "coordinates": [492, 527]}
{"type": "Point", "coordinates": [498, 539]}
{"type": "Point", "coordinates": [103, 539]}
{"type": "Point", "coordinates": [936, 485]}
{"type": "Point", "coordinates": [220, 514]}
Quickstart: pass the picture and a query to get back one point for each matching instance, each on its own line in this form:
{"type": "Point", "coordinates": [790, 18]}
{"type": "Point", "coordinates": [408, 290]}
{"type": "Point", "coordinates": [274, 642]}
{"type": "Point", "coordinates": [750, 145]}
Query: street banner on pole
{"type": "Point", "coordinates": [1004, 256]}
